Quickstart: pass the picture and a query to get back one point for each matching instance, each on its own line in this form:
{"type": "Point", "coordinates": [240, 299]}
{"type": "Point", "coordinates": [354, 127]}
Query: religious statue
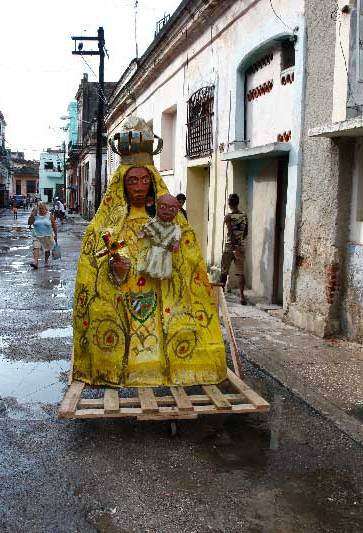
{"type": "Point", "coordinates": [144, 311]}
{"type": "Point", "coordinates": [164, 237]}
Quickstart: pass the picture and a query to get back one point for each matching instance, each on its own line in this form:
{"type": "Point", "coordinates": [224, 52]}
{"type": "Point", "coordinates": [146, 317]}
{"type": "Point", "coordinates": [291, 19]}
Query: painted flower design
{"type": "Point", "coordinates": [202, 318]}
{"type": "Point", "coordinates": [107, 335]}
{"type": "Point", "coordinates": [81, 301]}
{"type": "Point", "coordinates": [89, 243]}
{"type": "Point", "coordinates": [141, 282]}
{"type": "Point", "coordinates": [182, 343]}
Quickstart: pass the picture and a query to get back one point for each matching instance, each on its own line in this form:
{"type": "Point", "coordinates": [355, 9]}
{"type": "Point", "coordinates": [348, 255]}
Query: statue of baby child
{"type": "Point", "coordinates": [164, 236]}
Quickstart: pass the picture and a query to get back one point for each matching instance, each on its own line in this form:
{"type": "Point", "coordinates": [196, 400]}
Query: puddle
{"type": "Point", "coordinates": [56, 333]}
{"type": "Point", "coordinates": [25, 384]}
{"type": "Point", "coordinates": [3, 344]}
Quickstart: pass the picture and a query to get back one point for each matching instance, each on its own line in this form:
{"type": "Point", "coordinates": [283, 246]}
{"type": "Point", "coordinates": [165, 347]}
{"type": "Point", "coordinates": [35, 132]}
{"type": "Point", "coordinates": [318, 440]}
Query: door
{"type": "Point", "coordinates": [197, 203]}
{"type": "Point", "coordinates": [281, 199]}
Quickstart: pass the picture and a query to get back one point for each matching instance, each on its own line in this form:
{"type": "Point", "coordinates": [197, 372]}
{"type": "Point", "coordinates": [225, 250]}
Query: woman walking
{"type": "Point", "coordinates": [44, 232]}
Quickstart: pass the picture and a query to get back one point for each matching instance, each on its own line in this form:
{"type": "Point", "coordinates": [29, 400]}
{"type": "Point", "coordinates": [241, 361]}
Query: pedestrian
{"type": "Point", "coordinates": [15, 210]}
{"type": "Point", "coordinates": [27, 202]}
{"type": "Point", "coordinates": [182, 199]}
{"type": "Point", "coordinates": [44, 232]}
{"type": "Point", "coordinates": [59, 210]}
{"type": "Point", "coordinates": [234, 249]}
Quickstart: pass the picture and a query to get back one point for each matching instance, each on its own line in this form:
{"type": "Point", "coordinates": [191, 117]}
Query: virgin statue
{"type": "Point", "coordinates": [131, 329]}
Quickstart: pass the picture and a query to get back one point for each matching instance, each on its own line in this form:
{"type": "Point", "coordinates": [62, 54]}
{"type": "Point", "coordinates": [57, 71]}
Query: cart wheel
{"type": "Point", "coordinates": [173, 429]}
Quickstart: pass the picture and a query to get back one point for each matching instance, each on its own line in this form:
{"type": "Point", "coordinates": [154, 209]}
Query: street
{"type": "Point", "coordinates": [285, 472]}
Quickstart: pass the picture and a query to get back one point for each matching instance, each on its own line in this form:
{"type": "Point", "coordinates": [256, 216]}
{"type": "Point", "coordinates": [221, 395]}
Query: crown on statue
{"type": "Point", "coordinates": [135, 142]}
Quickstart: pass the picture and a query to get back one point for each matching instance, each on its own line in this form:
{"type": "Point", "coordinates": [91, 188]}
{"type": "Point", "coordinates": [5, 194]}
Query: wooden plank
{"type": "Point", "coordinates": [246, 391]}
{"type": "Point", "coordinates": [230, 333]}
{"type": "Point", "coordinates": [216, 291]}
{"type": "Point", "coordinates": [70, 400]}
{"type": "Point", "coordinates": [168, 413]}
{"type": "Point", "coordinates": [182, 399]}
{"type": "Point", "coordinates": [236, 409]}
{"type": "Point", "coordinates": [70, 373]}
{"type": "Point", "coordinates": [100, 413]}
{"type": "Point", "coordinates": [217, 397]}
{"type": "Point", "coordinates": [147, 400]}
{"type": "Point", "coordinates": [111, 401]}
{"type": "Point", "coordinates": [98, 403]}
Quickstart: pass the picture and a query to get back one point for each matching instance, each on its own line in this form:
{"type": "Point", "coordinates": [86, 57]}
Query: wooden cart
{"type": "Point", "coordinates": [233, 396]}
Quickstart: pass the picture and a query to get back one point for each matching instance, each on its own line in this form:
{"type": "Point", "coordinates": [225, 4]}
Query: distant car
{"type": "Point", "coordinates": [20, 200]}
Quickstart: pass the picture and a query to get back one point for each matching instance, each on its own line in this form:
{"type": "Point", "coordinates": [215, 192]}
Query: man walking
{"type": "Point", "coordinates": [234, 249]}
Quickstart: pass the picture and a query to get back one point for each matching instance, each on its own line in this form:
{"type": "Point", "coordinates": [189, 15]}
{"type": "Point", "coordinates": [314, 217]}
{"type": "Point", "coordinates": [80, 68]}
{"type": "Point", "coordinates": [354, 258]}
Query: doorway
{"type": "Point", "coordinates": [281, 199]}
{"type": "Point", "coordinates": [198, 203]}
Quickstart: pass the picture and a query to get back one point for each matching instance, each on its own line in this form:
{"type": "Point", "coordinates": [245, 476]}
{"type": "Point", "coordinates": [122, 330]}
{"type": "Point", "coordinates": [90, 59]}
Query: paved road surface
{"type": "Point", "coordinates": [286, 472]}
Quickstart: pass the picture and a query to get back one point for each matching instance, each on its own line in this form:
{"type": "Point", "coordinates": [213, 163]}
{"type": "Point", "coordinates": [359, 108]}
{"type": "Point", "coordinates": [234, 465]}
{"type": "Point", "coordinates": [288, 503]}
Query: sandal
{"type": "Point", "coordinates": [34, 265]}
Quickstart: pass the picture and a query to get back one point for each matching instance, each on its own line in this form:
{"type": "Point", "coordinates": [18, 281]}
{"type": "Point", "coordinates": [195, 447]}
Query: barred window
{"type": "Point", "coordinates": [200, 123]}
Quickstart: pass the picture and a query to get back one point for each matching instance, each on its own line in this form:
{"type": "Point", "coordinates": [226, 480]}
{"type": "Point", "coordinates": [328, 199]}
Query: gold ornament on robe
{"type": "Point", "coordinates": [145, 331]}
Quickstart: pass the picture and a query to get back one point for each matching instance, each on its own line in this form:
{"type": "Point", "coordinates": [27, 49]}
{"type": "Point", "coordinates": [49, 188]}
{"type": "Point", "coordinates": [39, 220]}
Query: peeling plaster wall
{"type": "Point", "coordinates": [352, 313]}
{"type": "Point", "coordinates": [323, 230]}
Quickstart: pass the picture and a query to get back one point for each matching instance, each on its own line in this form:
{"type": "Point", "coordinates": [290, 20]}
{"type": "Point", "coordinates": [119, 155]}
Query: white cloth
{"type": "Point", "coordinates": [158, 262]}
{"type": "Point", "coordinates": [59, 206]}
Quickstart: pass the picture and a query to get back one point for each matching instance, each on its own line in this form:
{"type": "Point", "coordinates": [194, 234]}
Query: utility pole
{"type": "Point", "coordinates": [78, 50]}
{"type": "Point", "coordinates": [64, 172]}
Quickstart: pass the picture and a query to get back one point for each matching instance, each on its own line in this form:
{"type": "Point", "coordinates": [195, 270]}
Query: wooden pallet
{"type": "Point", "coordinates": [179, 404]}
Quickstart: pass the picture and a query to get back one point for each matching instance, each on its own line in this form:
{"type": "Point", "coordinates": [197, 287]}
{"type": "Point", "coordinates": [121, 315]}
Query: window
{"type": "Point", "coordinates": [18, 187]}
{"type": "Point", "coordinates": [168, 131]}
{"type": "Point", "coordinates": [48, 165]}
{"type": "Point", "coordinates": [30, 187]}
{"type": "Point", "coordinates": [200, 123]}
{"type": "Point", "coordinates": [287, 54]}
{"type": "Point", "coordinates": [49, 194]}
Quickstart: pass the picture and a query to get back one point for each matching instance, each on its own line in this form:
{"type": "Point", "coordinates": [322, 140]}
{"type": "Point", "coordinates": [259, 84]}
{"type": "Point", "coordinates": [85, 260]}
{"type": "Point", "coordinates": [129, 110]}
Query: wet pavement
{"type": "Point", "coordinates": [285, 472]}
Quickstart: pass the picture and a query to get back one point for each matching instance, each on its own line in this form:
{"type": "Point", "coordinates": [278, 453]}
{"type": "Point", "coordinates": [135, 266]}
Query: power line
{"type": "Point", "coordinates": [279, 18]}
{"type": "Point", "coordinates": [350, 90]}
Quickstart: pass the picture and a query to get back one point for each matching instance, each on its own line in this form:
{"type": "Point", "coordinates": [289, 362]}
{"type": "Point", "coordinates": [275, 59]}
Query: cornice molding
{"type": "Point", "coordinates": [195, 17]}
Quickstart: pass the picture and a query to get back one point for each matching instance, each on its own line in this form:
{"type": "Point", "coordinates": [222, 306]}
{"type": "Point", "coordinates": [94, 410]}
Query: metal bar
{"type": "Point", "coordinates": [82, 53]}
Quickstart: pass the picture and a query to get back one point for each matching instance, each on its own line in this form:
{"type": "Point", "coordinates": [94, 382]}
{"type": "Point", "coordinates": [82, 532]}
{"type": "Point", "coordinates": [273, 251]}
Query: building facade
{"type": "Point", "coordinates": [5, 167]}
{"type": "Point", "coordinates": [51, 175]}
{"type": "Point", "coordinates": [25, 175]}
{"type": "Point", "coordinates": [82, 148]}
{"type": "Point", "coordinates": [224, 89]}
{"type": "Point", "coordinates": [328, 289]}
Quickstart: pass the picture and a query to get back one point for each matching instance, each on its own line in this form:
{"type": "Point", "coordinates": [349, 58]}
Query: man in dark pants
{"type": "Point", "coordinates": [234, 249]}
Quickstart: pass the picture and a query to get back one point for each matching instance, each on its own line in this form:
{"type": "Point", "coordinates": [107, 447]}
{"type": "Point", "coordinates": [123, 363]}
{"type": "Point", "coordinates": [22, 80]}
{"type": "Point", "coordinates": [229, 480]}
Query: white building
{"type": "Point", "coordinates": [51, 175]}
{"type": "Point", "coordinates": [224, 89]}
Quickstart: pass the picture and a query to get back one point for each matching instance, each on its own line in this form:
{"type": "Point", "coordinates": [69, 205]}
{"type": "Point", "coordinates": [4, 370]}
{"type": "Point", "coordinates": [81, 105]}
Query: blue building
{"type": "Point", "coordinates": [73, 122]}
{"type": "Point", "coordinates": [51, 177]}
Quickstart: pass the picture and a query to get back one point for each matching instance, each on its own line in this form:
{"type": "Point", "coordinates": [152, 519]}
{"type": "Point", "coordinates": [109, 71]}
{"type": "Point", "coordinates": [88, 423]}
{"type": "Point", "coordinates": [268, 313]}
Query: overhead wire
{"type": "Point", "coordinates": [279, 18]}
{"type": "Point", "coordinates": [350, 90]}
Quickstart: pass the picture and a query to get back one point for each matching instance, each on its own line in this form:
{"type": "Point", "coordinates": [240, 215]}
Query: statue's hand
{"type": "Point", "coordinates": [120, 266]}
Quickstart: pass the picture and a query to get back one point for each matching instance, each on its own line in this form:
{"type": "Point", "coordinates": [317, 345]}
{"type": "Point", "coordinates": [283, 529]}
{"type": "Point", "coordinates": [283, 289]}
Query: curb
{"type": "Point", "coordinates": [348, 425]}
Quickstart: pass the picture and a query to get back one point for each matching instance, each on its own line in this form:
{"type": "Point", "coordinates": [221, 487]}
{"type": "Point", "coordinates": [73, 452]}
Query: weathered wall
{"type": "Point", "coordinates": [326, 188]}
{"type": "Point", "coordinates": [352, 310]}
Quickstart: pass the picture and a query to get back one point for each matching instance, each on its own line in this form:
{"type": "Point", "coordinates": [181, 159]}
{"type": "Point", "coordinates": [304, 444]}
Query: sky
{"type": "Point", "coordinates": [39, 76]}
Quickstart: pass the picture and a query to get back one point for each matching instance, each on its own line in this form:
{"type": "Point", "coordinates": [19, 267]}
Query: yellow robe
{"type": "Point", "coordinates": [145, 332]}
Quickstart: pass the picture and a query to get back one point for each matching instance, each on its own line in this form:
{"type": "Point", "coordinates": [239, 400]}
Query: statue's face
{"type": "Point", "coordinates": [137, 185]}
{"type": "Point", "coordinates": [167, 207]}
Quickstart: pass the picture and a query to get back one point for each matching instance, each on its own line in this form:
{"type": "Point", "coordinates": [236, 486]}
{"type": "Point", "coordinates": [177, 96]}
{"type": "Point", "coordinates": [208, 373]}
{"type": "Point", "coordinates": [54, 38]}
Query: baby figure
{"type": "Point", "coordinates": [164, 236]}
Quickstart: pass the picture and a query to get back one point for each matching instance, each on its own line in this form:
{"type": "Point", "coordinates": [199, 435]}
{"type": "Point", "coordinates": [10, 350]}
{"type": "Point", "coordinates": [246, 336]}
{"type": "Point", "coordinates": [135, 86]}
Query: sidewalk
{"type": "Point", "coordinates": [324, 373]}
